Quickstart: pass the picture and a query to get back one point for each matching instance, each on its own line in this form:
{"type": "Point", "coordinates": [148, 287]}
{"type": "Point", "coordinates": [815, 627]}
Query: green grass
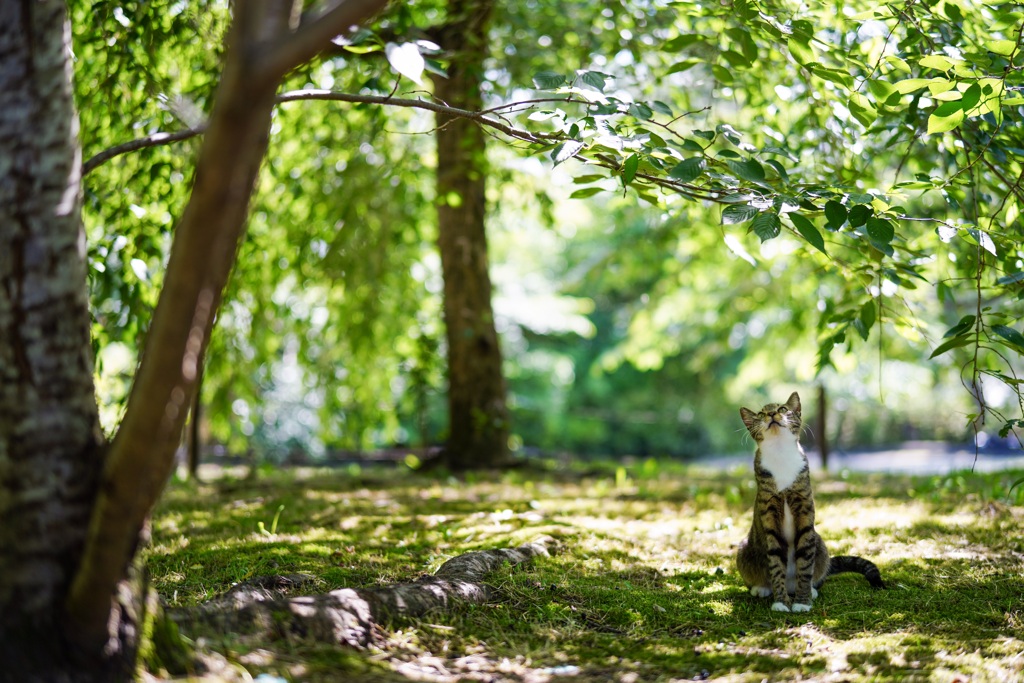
{"type": "Point", "coordinates": [644, 588]}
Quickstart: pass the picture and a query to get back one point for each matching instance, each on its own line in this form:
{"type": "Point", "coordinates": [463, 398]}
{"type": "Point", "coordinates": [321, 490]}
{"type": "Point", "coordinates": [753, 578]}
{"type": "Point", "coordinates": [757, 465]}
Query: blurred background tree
{"type": "Point", "coordinates": [761, 200]}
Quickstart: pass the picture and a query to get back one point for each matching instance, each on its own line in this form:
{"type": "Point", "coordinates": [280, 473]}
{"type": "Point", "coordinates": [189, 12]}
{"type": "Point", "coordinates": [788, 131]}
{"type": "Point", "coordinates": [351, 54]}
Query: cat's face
{"type": "Point", "coordinates": [774, 419]}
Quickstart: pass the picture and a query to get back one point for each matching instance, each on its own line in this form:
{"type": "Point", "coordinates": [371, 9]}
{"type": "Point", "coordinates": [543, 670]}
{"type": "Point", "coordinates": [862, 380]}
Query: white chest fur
{"type": "Point", "coordinates": [782, 456]}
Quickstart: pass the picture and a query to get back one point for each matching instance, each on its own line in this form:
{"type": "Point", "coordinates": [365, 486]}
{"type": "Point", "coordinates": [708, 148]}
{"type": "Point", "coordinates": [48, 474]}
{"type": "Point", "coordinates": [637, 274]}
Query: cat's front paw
{"type": "Point", "coordinates": [800, 607]}
{"type": "Point", "coordinates": [761, 591]}
{"type": "Point", "coordinates": [780, 607]}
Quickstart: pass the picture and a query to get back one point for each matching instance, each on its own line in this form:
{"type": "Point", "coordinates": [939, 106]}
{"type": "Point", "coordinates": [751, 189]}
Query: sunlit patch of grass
{"type": "Point", "coordinates": [646, 585]}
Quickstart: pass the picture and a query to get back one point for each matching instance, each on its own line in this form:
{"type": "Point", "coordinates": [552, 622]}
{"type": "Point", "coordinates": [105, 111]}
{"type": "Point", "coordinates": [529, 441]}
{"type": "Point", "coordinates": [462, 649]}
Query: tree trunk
{"type": "Point", "coordinates": [50, 441]}
{"type": "Point", "coordinates": [478, 416]}
{"type": "Point", "coordinates": [72, 509]}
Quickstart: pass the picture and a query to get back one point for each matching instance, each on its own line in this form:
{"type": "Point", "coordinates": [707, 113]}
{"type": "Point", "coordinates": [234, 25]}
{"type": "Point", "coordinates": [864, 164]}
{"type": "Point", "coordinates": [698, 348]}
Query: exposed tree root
{"type": "Point", "coordinates": [350, 616]}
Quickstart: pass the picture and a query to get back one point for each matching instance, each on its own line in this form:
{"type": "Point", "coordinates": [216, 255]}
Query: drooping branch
{"type": "Point", "coordinates": [480, 117]}
{"type": "Point", "coordinates": [350, 616]}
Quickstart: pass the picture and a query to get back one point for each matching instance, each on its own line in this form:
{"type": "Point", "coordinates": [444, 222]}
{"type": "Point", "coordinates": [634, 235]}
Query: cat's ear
{"type": "Point", "coordinates": [794, 403]}
{"type": "Point", "coordinates": [748, 417]}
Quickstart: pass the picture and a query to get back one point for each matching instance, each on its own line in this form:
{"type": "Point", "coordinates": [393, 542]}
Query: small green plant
{"type": "Point", "coordinates": [273, 524]}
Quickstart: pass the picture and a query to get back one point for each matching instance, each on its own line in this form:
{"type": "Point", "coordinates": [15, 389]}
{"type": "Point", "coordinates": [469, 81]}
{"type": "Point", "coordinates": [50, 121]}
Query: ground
{"type": "Point", "coordinates": [644, 587]}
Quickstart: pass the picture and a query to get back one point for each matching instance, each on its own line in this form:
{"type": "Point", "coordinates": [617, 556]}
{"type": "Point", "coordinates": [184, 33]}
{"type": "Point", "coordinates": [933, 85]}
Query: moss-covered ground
{"type": "Point", "coordinates": [644, 588]}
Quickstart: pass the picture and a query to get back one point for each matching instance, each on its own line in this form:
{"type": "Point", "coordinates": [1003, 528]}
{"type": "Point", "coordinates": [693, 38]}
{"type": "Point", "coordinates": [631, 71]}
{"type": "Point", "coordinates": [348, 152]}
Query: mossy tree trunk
{"type": "Point", "coordinates": [478, 415]}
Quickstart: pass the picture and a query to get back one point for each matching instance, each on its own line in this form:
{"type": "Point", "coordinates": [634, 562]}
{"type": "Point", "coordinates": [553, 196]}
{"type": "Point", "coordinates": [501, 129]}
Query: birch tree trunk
{"type": "Point", "coordinates": [478, 415]}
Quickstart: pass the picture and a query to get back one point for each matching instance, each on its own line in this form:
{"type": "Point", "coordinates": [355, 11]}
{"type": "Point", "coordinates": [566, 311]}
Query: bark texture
{"type": "Point", "coordinates": [50, 441]}
{"type": "Point", "coordinates": [478, 415]}
{"type": "Point", "coordinates": [351, 616]}
{"type": "Point", "coordinates": [72, 509]}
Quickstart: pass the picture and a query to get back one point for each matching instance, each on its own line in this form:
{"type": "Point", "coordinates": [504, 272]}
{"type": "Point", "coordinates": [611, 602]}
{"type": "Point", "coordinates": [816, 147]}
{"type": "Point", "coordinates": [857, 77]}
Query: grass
{"type": "Point", "coordinates": [645, 588]}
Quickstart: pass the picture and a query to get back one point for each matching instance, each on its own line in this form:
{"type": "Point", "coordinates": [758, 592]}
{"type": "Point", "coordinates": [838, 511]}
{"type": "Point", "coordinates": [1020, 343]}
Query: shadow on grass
{"type": "Point", "coordinates": [631, 593]}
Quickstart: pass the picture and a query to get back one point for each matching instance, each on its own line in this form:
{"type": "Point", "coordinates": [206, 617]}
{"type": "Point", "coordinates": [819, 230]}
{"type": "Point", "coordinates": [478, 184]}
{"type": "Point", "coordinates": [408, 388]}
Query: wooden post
{"type": "Point", "coordinates": [194, 445]}
{"type": "Point", "coordinates": [820, 425]}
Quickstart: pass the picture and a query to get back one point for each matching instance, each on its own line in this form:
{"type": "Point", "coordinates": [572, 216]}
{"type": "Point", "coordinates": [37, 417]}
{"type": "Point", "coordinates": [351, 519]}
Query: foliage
{"type": "Point", "coordinates": [811, 181]}
{"type": "Point", "coordinates": [875, 138]}
{"type": "Point", "coordinates": [645, 584]}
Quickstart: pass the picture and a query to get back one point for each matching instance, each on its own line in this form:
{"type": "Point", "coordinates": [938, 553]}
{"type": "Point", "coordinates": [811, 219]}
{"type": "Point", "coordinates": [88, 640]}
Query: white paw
{"type": "Point", "coordinates": [761, 591]}
{"type": "Point", "coordinates": [814, 593]}
{"type": "Point", "coordinates": [798, 607]}
{"type": "Point", "coordinates": [779, 607]}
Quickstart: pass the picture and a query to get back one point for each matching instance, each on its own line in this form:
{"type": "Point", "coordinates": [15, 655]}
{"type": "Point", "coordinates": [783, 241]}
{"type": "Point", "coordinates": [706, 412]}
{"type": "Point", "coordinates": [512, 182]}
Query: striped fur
{"type": "Point", "coordinates": [783, 556]}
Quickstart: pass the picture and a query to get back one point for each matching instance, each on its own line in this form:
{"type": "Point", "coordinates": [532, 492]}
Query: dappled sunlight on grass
{"type": "Point", "coordinates": [646, 585]}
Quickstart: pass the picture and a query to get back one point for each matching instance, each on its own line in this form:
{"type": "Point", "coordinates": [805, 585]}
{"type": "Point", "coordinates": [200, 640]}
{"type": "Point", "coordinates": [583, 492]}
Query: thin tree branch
{"type": "Point", "coordinates": [157, 139]}
{"type": "Point", "coordinates": [686, 189]}
{"type": "Point", "coordinates": [314, 35]}
{"type": "Point", "coordinates": [154, 140]}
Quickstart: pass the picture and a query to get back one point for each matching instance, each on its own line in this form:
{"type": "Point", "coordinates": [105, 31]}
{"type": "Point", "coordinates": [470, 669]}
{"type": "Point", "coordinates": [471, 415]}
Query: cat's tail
{"type": "Point", "coordinates": [851, 563]}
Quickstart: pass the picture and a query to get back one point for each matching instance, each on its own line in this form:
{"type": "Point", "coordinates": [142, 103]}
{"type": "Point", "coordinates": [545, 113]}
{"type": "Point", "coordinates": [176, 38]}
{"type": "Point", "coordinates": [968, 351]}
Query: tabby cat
{"type": "Point", "coordinates": [784, 556]}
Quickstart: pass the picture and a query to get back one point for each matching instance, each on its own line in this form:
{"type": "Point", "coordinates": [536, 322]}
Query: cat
{"type": "Point", "coordinates": [783, 556]}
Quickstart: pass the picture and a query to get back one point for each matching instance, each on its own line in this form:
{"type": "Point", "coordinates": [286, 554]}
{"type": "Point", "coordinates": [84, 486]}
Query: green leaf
{"type": "Point", "coordinates": [1015, 338]}
{"type": "Point", "coordinates": [1012, 278]}
{"type": "Point", "coordinates": [882, 90]}
{"type": "Point", "coordinates": [971, 97]}
{"type": "Point", "coordinates": [738, 213]}
{"type": "Point", "coordinates": [947, 109]}
{"type": "Point", "coordinates": [862, 109]}
{"type": "Point", "coordinates": [585, 192]}
{"type": "Point", "coordinates": [942, 123]}
{"type": "Point", "coordinates": [661, 107]}
{"type": "Point", "coordinates": [985, 241]}
{"type": "Point", "coordinates": [867, 314]}
{"type": "Point", "coordinates": [880, 230]}
{"type": "Point", "coordinates": [766, 225]}
{"type": "Point", "coordinates": [640, 111]}
{"type": "Point", "coordinates": [748, 169]}
{"type": "Point", "coordinates": [859, 215]}
{"type": "Point", "coordinates": [808, 232]}
{"type": "Point", "coordinates": [835, 214]}
{"type": "Point", "coordinates": [909, 85]}
{"type": "Point", "coordinates": [802, 51]}
{"type": "Point", "coordinates": [966, 323]}
{"type": "Point", "coordinates": [1003, 48]}
{"type": "Point", "coordinates": [779, 168]}
{"type": "Point", "coordinates": [589, 178]}
{"type": "Point", "coordinates": [688, 169]}
{"type": "Point", "coordinates": [936, 62]}
{"type": "Point", "coordinates": [548, 80]}
{"type": "Point", "coordinates": [594, 79]}
{"type": "Point", "coordinates": [629, 168]}
{"type": "Point", "coordinates": [681, 42]}
{"type": "Point", "coordinates": [684, 65]}
{"type": "Point", "coordinates": [954, 343]}
{"type": "Point", "coordinates": [566, 150]}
